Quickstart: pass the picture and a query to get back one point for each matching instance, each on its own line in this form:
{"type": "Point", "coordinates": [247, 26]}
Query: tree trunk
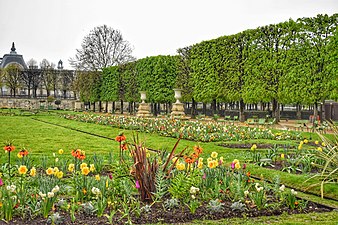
{"type": "Point", "coordinates": [213, 107]}
{"type": "Point", "coordinates": [299, 112]}
{"type": "Point", "coordinates": [93, 106]}
{"type": "Point", "coordinates": [113, 108]}
{"type": "Point", "coordinates": [100, 106]}
{"type": "Point", "coordinates": [204, 109]}
{"type": "Point", "coordinates": [315, 113]}
{"type": "Point", "coordinates": [241, 111]}
{"type": "Point", "coordinates": [193, 108]}
{"type": "Point", "coordinates": [121, 108]}
{"type": "Point", "coordinates": [275, 110]}
{"type": "Point", "coordinates": [106, 110]}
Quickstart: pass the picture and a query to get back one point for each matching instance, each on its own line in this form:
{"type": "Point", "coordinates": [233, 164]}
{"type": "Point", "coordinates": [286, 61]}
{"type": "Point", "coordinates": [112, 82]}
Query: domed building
{"type": "Point", "coordinates": [13, 58]}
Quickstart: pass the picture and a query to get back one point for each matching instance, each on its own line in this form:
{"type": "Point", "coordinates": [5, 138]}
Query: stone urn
{"type": "Point", "coordinates": [143, 96]}
{"type": "Point", "coordinates": [178, 95]}
{"type": "Point", "coordinates": [177, 109]}
{"type": "Point", "coordinates": [143, 108]}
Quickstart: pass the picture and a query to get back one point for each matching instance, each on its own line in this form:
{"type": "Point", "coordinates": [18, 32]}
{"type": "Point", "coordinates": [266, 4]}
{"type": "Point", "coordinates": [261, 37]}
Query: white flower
{"type": "Point", "coordinates": [246, 193]}
{"type": "Point", "coordinates": [96, 191]}
{"type": "Point", "coordinates": [282, 188]}
{"type": "Point", "coordinates": [194, 190]}
{"type": "Point", "coordinates": [193, 196]}
{"type": "Point", "coordinates": [50, 194]}
{"type": "Point", "coordinates": [42, 195]}
{"type": "Point", "coordinates": [293, 192]}
{"type": "Point", "coordinates": [259, 189]}
{"type": "Point", "coordinates": [11, 188]}
{"type": "Point", "coordinates": [56, 189]}
{"type": "Point", "coordinates": [56, 159]}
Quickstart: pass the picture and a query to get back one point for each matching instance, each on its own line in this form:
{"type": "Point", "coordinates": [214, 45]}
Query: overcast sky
{"type": "Point", "coordinates": [54, 29]}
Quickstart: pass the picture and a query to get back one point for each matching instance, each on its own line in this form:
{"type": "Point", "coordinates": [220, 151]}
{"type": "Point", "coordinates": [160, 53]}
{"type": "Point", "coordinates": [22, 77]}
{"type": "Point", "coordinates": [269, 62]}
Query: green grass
{"type": "Point", "coordinates": [330, 218]}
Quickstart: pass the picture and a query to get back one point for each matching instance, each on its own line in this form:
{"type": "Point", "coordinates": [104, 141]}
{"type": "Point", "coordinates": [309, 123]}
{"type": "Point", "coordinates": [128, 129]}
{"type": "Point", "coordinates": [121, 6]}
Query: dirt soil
{"type": "Point", "coordinates": [175, 216]}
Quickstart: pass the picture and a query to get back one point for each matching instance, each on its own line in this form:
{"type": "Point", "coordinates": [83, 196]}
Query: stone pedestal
{"type": "Point", "coordinates": [78, 106]}
{"type": "Point", "coordinates": [144, 110]}
{"type": "Point", "coordinates": [177, 110]}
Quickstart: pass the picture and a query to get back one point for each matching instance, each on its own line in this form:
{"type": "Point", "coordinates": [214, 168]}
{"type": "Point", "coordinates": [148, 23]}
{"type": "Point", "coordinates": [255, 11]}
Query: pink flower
{"type": "Point", "coordinates": [204, 176]}
{"type": "Point", "coordinates": [244, 166]}
{"type": "Point", "coordinates": [1, 182]}
{"type": "Point", "coordinates": [110, 176]}
{"type": "Point", "coordinates": [232, 165]}
{"type": "Point", "coordinates": [137, 184]}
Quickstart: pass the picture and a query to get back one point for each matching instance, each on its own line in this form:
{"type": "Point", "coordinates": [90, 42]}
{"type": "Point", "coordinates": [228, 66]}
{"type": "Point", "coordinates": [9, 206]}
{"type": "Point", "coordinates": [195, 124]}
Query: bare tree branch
{"type": "Point", "coordinates": [103, 47]}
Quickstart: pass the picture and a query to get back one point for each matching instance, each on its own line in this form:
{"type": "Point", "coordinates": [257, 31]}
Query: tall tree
{"type": "Point", "coordinates": [31, 77]}
{"type": "Point", "coordinates": [184, 79]}
{"type": "Point", "coordinates": [317, 32]}
{"type": "Point", "coordinates": [12, 78]}
{"type": "Point", "coordinates": [87, 84]}
{"type": "Point", "coordinates": [271, 44]}
{"type": "Point", "coordinates": [66, 80]}
{"type": "Point", "coordinates": [49, 76]}
{"type": "Point", "coordinates": [102, 47]}
{"type": "Point", "coordinates": [2, 81]}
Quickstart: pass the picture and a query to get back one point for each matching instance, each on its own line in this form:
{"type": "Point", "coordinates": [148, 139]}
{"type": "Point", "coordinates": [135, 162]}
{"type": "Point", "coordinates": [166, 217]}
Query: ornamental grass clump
{"type": "Point", "coordinates": [143, 168]}
{"type": "Point", "coordinates": [327, 152]}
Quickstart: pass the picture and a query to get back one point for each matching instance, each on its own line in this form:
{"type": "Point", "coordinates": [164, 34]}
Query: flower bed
{"type": "Point", "coordinates": [141, 186]}
{"type": "Point", "coordinates": [189, 130]}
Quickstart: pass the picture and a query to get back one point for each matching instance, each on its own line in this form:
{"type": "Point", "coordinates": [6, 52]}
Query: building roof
{"type": "Point", "coordinates": [13, 58]}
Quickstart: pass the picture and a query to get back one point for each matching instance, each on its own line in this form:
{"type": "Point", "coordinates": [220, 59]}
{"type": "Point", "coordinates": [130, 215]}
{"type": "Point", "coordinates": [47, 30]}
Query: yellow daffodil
{"type": "Point", "coordinates": [320, 149]}
{"type": "Point", "coordinates": [33, 172]}
{"type": "Point", "coordinates": [71, 167]}
{"type": "Point", "coordinates": [92, 168]}
{"type": "Point", "coordinates": [82, 165]}
{"type": "Point", "coordinates": [237, 165]}
{"type": "Point", "coordinates": [60, 151]}
{"type": "Point", "coordinates": [253, 147]}
{"type": "Point", "coordinates": [85, 171]}
{"type": "Point", "coordinates": [23, 170]}
{"type": "Point", "coordinates": [19, 155]}
{"type": "Point", "coordinates": [59, 174]}
{"type": "Point", "coordinates": [300, 146]}
{"type": "Point", "coordinates": [235, 161]}
{"type": "Point", "coordinates": [282, 156]}
{"type": "Point", "coordinates": [323, 144]}
{"type": "Point", "coordinates": [306, 141]}
{"type": "Point", "coordinates": [214, 155]}
{"type": "Point", "coordinates": [97, 177]}
{"type": "Point", "coordinates": [56, 170]}
{"type": "Point", "coordinates": [180, 166]}
{"type": "Point", "coordinates": [50, 171]}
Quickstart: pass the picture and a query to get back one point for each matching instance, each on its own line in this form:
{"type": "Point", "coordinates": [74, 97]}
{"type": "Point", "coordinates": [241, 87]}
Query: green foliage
{"type": "Point", "coordinates": [110, 84]}
{"type": "Point", "coordinates": [157, 75]}
{"type": "Point", "coordinates": [180, 185]}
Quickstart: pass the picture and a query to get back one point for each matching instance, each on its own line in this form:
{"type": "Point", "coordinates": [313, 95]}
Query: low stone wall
{"type": "Point", "coordinates": [29, 103]}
